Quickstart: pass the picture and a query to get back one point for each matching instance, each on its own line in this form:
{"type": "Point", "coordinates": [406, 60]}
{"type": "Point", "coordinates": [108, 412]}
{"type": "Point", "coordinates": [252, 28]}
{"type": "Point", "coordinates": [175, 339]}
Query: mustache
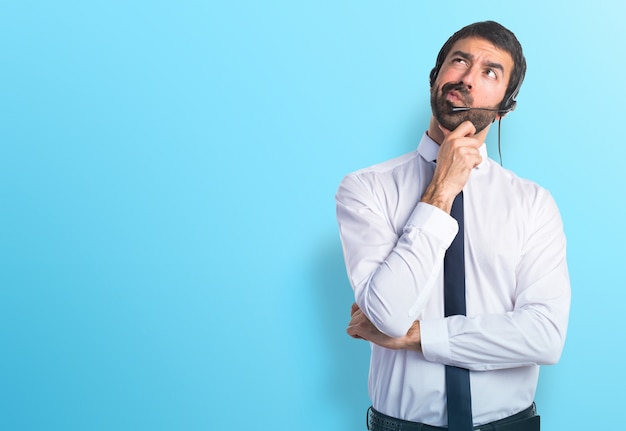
{"type": "Point", "coordinates": [456, 86]}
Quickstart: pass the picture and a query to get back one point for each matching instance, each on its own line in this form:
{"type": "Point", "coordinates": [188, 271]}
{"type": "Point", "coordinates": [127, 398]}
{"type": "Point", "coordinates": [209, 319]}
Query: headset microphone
{"type": "Point", "coordinates": [466, 108]}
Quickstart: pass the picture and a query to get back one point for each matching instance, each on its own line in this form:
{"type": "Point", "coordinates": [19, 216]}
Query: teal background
{"type": "Point", "coordinates": [169, 257]}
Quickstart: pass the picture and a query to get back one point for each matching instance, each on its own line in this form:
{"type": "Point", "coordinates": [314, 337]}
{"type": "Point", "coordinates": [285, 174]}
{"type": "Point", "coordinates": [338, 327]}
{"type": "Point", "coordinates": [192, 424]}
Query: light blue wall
{"type": "Point", "coordinates": [169, 258]}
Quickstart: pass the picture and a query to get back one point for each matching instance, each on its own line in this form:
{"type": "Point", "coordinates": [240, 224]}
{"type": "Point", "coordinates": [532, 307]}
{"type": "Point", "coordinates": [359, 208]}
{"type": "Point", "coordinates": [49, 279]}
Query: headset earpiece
{"type": "Point", "coordinates": [510, 103]}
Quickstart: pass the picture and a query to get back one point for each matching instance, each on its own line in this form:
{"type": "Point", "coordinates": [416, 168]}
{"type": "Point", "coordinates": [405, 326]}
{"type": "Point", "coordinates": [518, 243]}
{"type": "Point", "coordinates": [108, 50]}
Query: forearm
{"type": "Point", "coordinates": [532, 333]}
{"type": "Point", "coordinates": [393, 281]}
{"type": "Point", "coordinates": [489, 342]}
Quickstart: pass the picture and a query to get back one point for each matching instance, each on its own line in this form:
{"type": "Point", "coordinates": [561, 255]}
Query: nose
{"type": "Point", "coordinates": [469, 78]}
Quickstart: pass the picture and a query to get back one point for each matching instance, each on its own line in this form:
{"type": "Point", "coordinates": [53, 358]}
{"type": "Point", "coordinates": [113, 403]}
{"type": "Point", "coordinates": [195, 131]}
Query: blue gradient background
{"type": "Point", "coordinates": [169, 258]}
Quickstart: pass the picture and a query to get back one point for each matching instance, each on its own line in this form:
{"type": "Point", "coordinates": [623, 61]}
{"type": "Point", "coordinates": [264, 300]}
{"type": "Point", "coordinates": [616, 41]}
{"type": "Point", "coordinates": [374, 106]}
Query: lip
{"type": "Point", "coordinates": [454, 96]}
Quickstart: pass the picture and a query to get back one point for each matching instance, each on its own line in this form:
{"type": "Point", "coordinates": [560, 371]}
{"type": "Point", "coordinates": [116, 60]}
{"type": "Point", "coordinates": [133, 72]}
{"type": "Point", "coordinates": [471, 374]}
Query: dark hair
{"type": "Point", "coordinates": [500, 37]}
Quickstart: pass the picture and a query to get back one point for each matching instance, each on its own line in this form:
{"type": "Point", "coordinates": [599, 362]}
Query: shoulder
{"type": "Point", "coordinates": [513, 182]}
{"type": "Point", "coordinates": [379, 175]}
{"type": "Point", "coordinates": [387, 167]}
{"type": "Point", "coordinates": [528, 194]}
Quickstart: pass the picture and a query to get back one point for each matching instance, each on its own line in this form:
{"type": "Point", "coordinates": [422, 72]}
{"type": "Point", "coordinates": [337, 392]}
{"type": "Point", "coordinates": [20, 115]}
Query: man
{"type": "Point", "coordinates": [396, 229]}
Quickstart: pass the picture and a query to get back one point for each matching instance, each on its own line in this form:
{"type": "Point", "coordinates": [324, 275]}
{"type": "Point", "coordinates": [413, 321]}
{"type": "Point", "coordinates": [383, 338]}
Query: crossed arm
{"type": "Point", "coordinates": [458, 155]}
{"type": "Point", "coordinates": [360, 327]}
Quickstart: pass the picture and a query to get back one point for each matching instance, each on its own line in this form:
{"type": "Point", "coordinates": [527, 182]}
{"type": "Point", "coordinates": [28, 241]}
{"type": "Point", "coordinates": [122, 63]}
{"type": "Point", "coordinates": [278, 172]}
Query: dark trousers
{"type": "Point", "coordinates": [526, 420]}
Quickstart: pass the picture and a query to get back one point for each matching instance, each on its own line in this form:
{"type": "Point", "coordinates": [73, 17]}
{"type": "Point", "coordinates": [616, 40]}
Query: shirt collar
{"type": "Point", "coordinates": [428, 149]}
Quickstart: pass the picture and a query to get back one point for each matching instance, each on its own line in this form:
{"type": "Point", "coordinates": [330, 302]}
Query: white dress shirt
{"type": "Point", "coordinates": [517, 284]}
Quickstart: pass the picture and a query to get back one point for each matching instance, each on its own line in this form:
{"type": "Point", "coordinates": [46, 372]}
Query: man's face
{"type": "Point", "coordinates": [474, 74]}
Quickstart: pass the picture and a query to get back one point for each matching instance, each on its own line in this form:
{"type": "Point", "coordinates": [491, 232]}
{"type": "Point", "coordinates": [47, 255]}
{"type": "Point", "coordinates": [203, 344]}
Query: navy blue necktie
{"type": "Point", "coordinates": [457, 379]}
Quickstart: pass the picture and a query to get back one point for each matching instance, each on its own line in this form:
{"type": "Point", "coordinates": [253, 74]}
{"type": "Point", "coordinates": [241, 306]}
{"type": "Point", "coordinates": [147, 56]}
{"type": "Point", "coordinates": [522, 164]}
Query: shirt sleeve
{"type": "Point", "coordinates": [533, 333]}
{"type": "Point", "coordinates": [392, 274]}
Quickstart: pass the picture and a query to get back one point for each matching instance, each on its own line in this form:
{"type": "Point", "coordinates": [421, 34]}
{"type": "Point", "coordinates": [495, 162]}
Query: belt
{"type": "Point", "coordinates": [526, 420]}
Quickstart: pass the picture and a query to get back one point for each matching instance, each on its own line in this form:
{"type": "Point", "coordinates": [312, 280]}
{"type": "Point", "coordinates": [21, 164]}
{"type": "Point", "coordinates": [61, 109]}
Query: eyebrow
{"type": "Point", "coordinates": [470, 57]}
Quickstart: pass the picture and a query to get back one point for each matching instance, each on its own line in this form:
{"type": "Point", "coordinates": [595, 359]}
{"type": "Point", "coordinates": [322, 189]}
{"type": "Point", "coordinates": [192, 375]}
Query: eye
{"type": "Point", "coordinates": [459, 60]}
{"type": "Point", "coordinates": [491, 73]}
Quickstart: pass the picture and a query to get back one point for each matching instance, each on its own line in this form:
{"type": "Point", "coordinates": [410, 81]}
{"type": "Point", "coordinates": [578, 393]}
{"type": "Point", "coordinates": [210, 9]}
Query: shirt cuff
{"type": "Point", "coordinates": [428, 218]}
{"type": "Point", "coordinates": [435, 340]}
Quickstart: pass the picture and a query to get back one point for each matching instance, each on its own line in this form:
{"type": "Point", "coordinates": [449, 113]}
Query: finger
{"type": "Point", "coordinates": [353, 331]}
{"type": "Point", "coordinates": [354, 309]}
{"type": "Point", "coordinates": [466, 157]}
{"type": "Point", "coordinates": [352, 326]}
{"type": "Point", "coordinates": [477, 159]}
{"type": "Point", "coordinates": [355, 335]}
{"type": "Point", "coordinates": [468, 149]}
{"type": "Point", "coordinates": [465, 129]}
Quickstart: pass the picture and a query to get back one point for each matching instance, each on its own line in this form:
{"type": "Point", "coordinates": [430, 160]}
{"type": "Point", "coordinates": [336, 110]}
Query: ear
{"type": "Point", "coordinates": [433, 75]}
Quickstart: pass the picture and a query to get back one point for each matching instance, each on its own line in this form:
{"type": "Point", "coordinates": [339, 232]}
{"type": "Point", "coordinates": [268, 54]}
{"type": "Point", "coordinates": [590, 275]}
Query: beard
{"type": "Point", "coordinates": [442, 108]}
